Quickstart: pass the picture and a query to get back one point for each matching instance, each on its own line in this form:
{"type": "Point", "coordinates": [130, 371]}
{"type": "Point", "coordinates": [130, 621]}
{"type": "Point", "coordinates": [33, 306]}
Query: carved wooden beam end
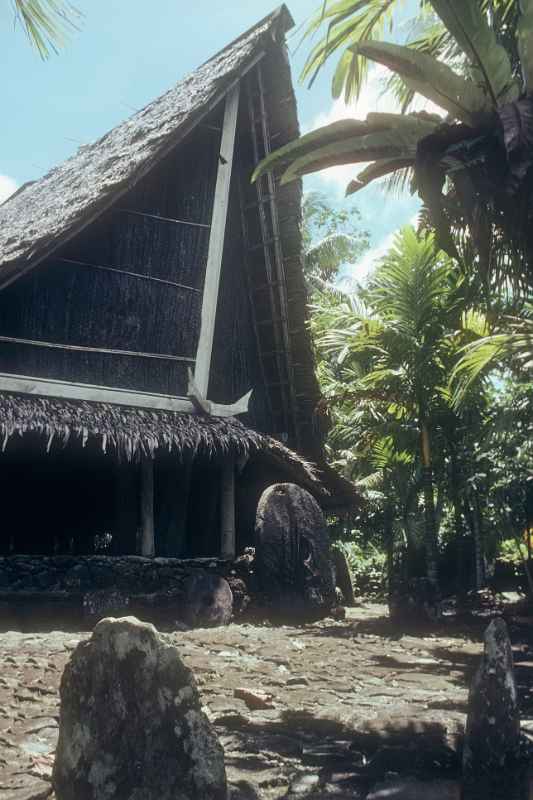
{"type": "Point", "coordinates": [205, 406]}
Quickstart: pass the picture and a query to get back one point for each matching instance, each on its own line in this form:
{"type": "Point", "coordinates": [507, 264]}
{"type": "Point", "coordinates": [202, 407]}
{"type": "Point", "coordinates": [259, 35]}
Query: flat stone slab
{"type": "Point", "coordinates": [25, 788]}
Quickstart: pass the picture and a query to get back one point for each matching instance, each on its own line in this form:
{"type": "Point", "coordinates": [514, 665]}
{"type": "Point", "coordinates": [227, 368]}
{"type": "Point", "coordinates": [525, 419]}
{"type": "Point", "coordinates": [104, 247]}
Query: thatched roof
{"type": "Point", "coordinates": [133, 433]}
{"type": "Point", "coordinates": [42, 215]}
{"type": "Point", "coordinates": [45, 214]}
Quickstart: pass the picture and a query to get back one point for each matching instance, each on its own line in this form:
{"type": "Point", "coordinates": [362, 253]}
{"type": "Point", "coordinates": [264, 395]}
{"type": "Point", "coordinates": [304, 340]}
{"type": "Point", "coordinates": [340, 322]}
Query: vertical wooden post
{"type": "Point", "coordinates": [227, 510]}
{"type": "Point", "coordinates": [216, 243]}
{"type": "Point", "coordinates": [147, 508]}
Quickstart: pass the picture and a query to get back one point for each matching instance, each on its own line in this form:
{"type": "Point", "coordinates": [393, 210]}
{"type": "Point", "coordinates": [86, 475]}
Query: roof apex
{"type": "Point", "coordinates": [43, 214]}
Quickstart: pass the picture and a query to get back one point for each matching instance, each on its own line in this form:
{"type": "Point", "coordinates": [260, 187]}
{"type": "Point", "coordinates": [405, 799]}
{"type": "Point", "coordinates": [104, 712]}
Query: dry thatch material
{"type": "Point", "coordinates": [43, 214]}
{"type": "Point", "coordinates": [42, 217]}
{"type": "Point", "coordinates": [132, 433]}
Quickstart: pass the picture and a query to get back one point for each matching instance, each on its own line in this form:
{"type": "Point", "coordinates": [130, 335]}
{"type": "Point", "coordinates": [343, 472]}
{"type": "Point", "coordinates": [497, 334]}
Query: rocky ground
{"type": "Point", "coordinates": [349, 709]}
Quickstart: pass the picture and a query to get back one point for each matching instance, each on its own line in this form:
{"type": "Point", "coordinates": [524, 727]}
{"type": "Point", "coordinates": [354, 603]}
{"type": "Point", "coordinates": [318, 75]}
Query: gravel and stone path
{"type": "Point", "coordinates": [348, 709]}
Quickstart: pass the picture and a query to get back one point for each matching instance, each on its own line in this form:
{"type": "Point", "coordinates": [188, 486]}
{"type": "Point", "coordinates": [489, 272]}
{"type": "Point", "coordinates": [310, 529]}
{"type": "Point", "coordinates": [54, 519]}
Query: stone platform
{"type": "Point", "coordinates": [348, 709]}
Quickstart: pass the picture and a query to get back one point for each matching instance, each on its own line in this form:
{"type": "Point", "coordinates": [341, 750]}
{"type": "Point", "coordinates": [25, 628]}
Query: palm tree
{"type": "Point", "coordinates": [394, 357]}
{"type": "Point", "coordinates": [472, 167]}
{"type": "Point", "coordinates": [47, 22]}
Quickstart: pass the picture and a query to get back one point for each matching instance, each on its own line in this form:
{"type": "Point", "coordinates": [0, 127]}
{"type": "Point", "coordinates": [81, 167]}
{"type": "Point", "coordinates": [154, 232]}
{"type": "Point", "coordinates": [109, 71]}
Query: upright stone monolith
{"type": "Point", "coordinates": [492, 763]}
{"type": "Point", "coordinates": [293, 553]}
{"type": "Point", "coordinates": [343, 579]}
{"type": "Point", "coordinates": [131, 725]}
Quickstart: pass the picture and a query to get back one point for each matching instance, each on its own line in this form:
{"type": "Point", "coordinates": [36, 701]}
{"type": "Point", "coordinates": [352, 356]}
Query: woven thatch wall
{"type": "Point", "coordinates": [79, 305]}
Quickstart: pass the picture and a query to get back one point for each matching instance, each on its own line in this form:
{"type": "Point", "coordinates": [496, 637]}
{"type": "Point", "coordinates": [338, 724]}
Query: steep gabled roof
{"type": "Point", "coordinates": [44, 214]}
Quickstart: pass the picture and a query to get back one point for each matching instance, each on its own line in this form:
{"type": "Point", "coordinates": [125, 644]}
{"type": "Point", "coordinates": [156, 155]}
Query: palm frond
{"type": "Point", "coordinates": [47, 23]}
{"type": "Point", "coordinates": [514, 344]}
{"type": "Point", "coordinates": [346, 22]}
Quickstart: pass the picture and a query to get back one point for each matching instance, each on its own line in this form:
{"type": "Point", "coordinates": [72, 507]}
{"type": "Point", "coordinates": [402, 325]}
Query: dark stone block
{"type": "Point", "coordinates": [105, 603]}
{"type": "Point", "coordinates": [208, 601]}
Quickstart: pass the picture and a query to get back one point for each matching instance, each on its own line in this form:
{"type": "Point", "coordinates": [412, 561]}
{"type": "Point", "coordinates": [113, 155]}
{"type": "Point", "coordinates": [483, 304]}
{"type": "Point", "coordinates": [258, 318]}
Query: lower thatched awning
{"type": "Point", "coordinates": [132, 433]}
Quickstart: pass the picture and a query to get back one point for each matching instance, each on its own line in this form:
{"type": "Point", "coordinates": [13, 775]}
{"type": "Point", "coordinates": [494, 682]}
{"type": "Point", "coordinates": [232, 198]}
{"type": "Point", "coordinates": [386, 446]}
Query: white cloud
{"type": "Point", "coordinates": [371, 257]}
{"type": "Point", "coordinates": [372, 98]}
{"type": "Point", "coordinates": [7, 187]}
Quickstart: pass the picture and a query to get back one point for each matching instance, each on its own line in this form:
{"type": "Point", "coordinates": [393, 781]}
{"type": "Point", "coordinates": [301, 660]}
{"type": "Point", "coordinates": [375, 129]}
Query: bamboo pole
{"type": "Point", "coordinates": [227, 510]}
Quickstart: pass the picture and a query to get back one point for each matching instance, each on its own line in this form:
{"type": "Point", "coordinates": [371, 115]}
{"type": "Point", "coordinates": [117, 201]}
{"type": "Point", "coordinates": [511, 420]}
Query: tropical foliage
{"type": "Point", "coordinates": [332, 237]}
{"type": "Point", "coordinates": [471, 166]}
{"type": "Point", "coordinates": [510, 344]}
{"type": "Point", "coordinates": [437, 469]}
{"type": "Point", "coordinates": [427, 368]}
{"type": "Point", "coordinates": [395, 351]}
{"type": "Point", "coordinates": [347, 23]}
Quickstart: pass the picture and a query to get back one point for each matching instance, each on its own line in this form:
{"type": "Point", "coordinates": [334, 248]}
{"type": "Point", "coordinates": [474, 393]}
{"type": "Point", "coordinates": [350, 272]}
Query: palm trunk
{"type": "Point", "coordinates": [412, 557]}
{"type": "Point", "coordinates": [389, 543]}
{"type": "Point", "coordinates": [473, 517]}
{"type": "Point", "coordinates": [430, 521]}
{"type": "Point", "coordinates": [478, 543]}
{"type": "Point", "coordinates": [528, 513]}
{"type": "Point", "coordinates": [458, 523]}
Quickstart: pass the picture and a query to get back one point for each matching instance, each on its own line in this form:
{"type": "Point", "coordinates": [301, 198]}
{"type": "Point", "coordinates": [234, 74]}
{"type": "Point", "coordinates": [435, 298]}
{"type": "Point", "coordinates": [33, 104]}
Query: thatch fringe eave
{"type": "Point", "coordinates": [130, 434]}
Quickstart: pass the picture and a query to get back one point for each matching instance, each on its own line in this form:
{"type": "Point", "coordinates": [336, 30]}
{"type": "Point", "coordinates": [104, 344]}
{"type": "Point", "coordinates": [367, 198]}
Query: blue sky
{"type": "Point", "coordinates": [127, 53]}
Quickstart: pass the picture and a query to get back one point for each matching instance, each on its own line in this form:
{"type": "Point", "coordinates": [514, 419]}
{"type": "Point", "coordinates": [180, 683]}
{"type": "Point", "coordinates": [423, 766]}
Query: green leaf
{"type": "Point", "coordinates": [429, 77]}
{"type": "Point", "coordinates": [377, 170]}
{"type": "Point", "coordinates": [329, 134]}
{"type": "Point", "coordinates": [475, 322]}
{"type": "Point", "coordinates": [490, 62]}
{"type": "Point", "coordinates": [356, 150]}
{"type": "Point", "coordinates": [321, 52]}
{"type": "Point", "coordinates": [398, 140]}
{"type": "Point", "coordinates": [348, 22]}
{"type": "Point", "coordinates": [340, 74]}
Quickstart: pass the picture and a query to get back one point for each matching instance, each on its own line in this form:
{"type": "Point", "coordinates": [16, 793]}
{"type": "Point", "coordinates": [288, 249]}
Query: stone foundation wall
{"type": "Point", "coordinates": [46, 591]}
{"type": "Point", "coordinates": [81, 574]}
